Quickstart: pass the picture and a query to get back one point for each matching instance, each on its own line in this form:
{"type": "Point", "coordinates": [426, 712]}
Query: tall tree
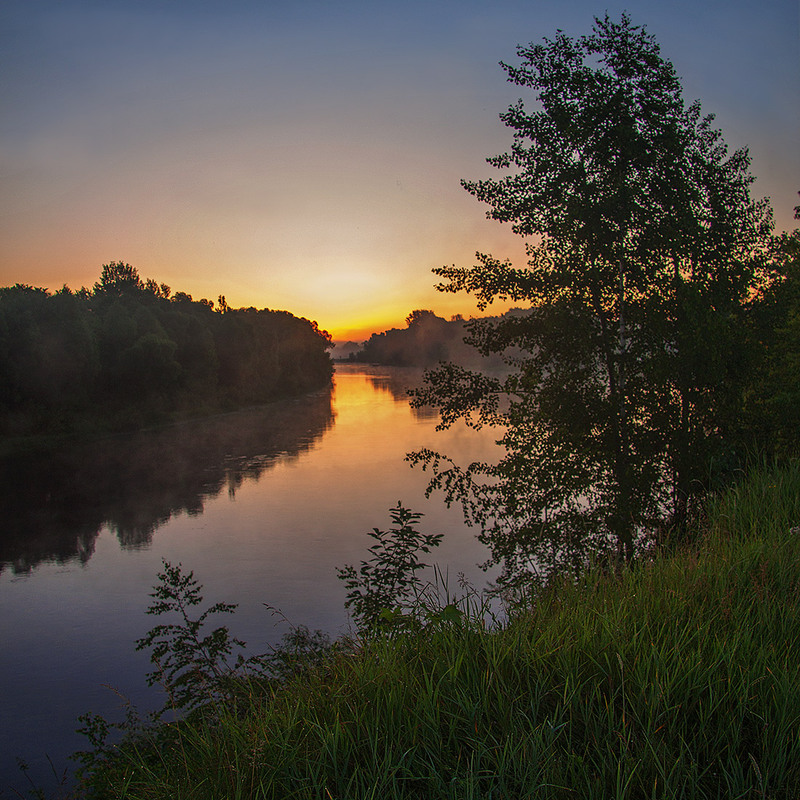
{"type": "Point", "coordinates": [772, 408]}
{"type": "Point", "coordinates": [644, 245]}
{"type": "Point", "coordinates": [119, 279]}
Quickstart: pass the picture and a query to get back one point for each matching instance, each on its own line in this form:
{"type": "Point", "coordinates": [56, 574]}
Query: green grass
{"type": "Point", "coordinates": [679, 678]}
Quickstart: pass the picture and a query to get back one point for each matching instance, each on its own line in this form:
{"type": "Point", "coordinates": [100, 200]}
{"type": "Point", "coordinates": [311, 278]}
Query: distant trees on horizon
{"type": "Point", "coordinates": [130, 352]}
{"type": "Point", "coordinates": [426, 340]}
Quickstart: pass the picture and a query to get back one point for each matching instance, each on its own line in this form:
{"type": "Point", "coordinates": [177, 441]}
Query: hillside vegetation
{"type": "Point", "coordinates": [679, 677]}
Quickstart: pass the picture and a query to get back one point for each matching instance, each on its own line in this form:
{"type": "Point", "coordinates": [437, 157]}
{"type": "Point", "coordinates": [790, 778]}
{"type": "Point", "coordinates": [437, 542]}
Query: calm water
{"type": "Point", "coordinates": [262, 505]}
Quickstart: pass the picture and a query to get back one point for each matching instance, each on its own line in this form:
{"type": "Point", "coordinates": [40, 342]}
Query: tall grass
{"type": "Point", "coordinates": [679, 678]}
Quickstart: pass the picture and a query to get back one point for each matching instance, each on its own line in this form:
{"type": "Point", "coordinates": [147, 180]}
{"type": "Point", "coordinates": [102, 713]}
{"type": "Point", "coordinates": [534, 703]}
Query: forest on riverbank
{"type": "Point", "coordinates": [426, 340]}
{"type": "Point", "coordinates": [129, 352]}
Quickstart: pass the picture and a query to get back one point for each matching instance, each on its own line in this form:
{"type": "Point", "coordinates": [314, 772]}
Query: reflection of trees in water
{"type": "Point", "coordinates": [396, 382]}
{"type": "Point", "coordinates": [55, 504]}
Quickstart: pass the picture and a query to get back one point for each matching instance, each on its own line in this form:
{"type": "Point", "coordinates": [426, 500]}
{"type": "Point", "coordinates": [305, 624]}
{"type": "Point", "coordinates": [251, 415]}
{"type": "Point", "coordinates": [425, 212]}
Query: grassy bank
{"type": "Point", "coordinates": [679, 678]}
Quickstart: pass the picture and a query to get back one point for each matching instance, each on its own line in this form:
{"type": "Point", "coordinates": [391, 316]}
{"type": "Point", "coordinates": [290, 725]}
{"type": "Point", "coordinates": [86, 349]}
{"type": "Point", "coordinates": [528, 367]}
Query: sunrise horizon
{"type": "Point", "coordinates": [310, 158]}
{"type": "Point", "coordinates": [385, 316]}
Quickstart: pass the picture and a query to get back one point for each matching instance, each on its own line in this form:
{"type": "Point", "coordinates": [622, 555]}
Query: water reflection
{"type": "Point", "coordinates": [398, 382]}
{"type": "Point", "coordinates": [55, 505]}
{"type": "Point", "coordinates": [69, 631]}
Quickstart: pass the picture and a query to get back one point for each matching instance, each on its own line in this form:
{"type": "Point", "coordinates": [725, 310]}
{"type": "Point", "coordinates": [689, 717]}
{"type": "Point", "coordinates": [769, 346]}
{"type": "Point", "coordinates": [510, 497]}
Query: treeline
{"type": "Point", "coordinates": [129, 352]}
{"type": "Point", "coordinates": [426, 340]}
{"type": "Point", "coordinates": [771, 397]}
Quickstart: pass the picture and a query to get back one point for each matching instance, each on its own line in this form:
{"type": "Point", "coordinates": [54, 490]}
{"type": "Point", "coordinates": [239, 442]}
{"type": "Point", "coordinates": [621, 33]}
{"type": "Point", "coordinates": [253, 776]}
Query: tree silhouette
{"type": "Point", "coordinates": [646, 246]}
{"type": "Point", "coordinates": [129, 353]}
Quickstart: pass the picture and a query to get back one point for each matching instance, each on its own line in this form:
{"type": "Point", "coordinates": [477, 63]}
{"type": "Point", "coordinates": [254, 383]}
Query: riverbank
{"type": "Point", "coordinates": [88, 430]}
{"type": "Point", "coordinates": [130, 354]}
{"type": "Point", "coordinates": [262, 504]}
{"type": "Point", "coordinates": [679, 678]}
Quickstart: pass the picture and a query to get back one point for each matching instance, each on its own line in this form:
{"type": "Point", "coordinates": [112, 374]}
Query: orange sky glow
{"type": "Point", "coordinates": [307, 156]}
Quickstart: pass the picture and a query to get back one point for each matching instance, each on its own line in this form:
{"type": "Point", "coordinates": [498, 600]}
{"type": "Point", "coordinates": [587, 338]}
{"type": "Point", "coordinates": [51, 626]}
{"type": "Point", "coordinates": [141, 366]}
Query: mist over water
{"type": "Point", "coordinates": [263, 505]}
{"type": "Point", "coordinates": [55, 506]}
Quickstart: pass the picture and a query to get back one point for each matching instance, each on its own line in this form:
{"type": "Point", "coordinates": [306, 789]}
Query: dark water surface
{"type": "Point", "coordinates": [262, 505]}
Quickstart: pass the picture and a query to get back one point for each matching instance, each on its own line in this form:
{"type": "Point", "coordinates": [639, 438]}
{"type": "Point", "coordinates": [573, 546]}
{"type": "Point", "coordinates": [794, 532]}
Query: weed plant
{"type": "Point", "coordinates": [677, 678]}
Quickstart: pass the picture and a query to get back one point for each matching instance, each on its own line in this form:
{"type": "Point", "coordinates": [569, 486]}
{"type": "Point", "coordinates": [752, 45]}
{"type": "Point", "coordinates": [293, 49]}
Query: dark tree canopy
{"type": "Point", "coordinates": [129, 353]}
{"type": "Point", "coordinates": [644, 247]}
{"type": "Point", "coordinates": [772, 402]}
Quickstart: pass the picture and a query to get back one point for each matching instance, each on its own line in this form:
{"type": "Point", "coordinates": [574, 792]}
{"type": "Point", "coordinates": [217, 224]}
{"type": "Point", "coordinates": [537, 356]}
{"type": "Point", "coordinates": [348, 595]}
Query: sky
{"type": "Point", "coordinates": [306, 155]}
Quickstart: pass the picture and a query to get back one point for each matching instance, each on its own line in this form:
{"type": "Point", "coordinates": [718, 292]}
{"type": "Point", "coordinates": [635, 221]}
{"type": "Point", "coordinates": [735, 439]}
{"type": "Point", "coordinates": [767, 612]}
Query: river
{"type": "Point", "coordinates": [262, 504]}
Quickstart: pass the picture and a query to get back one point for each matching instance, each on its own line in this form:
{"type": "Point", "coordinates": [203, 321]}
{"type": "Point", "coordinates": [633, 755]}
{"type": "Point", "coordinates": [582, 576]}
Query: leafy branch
{"type": "Point", "coordinates": [387, 583]}
{"type": "Point", "coordinates": [194, 667]}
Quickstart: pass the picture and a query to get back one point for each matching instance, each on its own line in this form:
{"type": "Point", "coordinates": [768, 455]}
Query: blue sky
{"type": "Point", "coordinates": [307, 155]}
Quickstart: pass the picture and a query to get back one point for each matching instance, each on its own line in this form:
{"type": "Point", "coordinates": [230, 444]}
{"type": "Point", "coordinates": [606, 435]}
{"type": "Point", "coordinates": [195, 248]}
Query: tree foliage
{"type": "Point", "coordinates": [644, 248]}
{"type": "Point", "coordinates": [426, 339]}
{"type": "Point", "coordinates": [130, 352]}
{"type": "Point", "coordinates": [771, 415]}
{"type": "Point", "coordinates": [192, 665]}
{"type": "Point", "coordinates": [387, 583]}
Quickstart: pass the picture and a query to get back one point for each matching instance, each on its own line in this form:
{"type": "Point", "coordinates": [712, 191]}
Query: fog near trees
{"type": "Point", "coordinates": [427, 340]}
{"type": "Point", "coordinates": [129, 353]}
{"type": "Point", "coordinates": [659, 345]}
